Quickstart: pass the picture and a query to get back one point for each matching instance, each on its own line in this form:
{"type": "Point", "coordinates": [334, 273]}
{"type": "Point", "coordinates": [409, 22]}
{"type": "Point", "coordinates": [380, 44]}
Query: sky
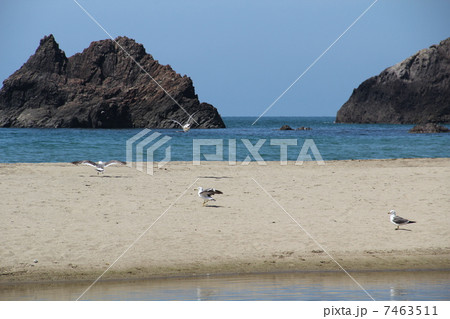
{"type": "Point", "coordinates": [241, 55]}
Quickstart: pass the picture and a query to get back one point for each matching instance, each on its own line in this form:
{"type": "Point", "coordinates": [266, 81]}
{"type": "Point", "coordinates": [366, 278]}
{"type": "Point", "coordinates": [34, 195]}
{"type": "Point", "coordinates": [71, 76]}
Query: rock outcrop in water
{"type": "Point", "coordinates": [429, 128]}
{"type": "Point", "coordinates": [102, 87]}
{"type": "Point", "coordinates": [416, 90]}
{"type": "Point", "coordinates": [286, 128]}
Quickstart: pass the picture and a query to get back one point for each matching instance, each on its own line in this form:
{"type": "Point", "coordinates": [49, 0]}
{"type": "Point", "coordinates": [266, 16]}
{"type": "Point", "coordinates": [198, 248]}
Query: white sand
{"type": "Point", "coordinates": [76, 223]}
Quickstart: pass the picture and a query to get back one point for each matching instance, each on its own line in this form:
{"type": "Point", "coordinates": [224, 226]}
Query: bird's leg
{"type": "Point", "coordinates": [398, 227]}
{"type": "Point", "coordinates": [204, 203]}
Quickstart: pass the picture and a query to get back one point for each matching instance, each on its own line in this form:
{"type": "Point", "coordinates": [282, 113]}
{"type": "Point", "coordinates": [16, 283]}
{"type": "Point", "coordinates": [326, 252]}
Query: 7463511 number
{"type": "Point", "coordinates": [411, 310]}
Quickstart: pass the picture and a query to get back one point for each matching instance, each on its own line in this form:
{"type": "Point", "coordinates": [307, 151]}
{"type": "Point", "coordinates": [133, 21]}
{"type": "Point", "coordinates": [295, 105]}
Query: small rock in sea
{"type": "Point", "coordinates": [429, 128]}
{"type": "Point", "coordinates": [304, 128]}
{"type": "Point", "coordinates": [286, 128]}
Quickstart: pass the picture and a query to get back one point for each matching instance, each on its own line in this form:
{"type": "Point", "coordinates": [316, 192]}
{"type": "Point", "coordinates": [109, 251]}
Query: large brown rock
{"type": "Point", "coordinates": [416, 90]}
{"type": "Point", "coordinates": [102, 87]}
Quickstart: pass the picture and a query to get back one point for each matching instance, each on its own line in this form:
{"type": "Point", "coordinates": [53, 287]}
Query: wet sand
{"type": "Point", "coordinates": [76, 224]}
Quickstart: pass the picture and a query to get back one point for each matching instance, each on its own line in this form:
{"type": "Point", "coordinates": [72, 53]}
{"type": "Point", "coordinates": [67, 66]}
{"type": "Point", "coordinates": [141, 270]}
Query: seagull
{"type": "Point", "coordinates": [99, 166]}
{"type": "Point", "coordinates": [397, 220]}
{"type": "Point", "coordinates": [186, 127]}
{"type": "Point", "coordinates": [207, 193]}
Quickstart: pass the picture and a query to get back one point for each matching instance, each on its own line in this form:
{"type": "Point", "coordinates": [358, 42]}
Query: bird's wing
{"type": "Point", "coordinates": [190, 117]}
{"type": "Point", "coordinates": [211, 191]}
{"type": "Point", "coordinates": [86, 162]}
{"type": "Point", "coordinates": [177, 123]}
{"type": "Point", "coordinates": [207, 192]}
{"type": "Point", "coordinates": [114, 162]}
{"type": "Point", "coordinates": [400, 220]}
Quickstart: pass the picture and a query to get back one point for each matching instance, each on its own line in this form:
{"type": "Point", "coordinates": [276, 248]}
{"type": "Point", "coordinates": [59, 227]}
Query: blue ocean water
{"type": "Point", "coordinates": [334, 141]}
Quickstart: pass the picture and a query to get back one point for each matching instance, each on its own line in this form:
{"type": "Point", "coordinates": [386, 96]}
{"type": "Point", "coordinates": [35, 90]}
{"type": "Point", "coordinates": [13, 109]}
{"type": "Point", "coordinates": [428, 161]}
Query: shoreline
{"type": "Point", "coordinates": [88, 276]}
{"type": "Point", "coordinates": [35, 281]}
{"type": "Point", "coordinates": [237, 163]}
{"type": "Point", "coordinates": [76, 223]}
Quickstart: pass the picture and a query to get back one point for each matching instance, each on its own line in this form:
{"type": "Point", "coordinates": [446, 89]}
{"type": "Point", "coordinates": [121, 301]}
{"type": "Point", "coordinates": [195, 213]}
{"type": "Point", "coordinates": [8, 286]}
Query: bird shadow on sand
{"type": "Point", "coordinates": [216, 177]}
{"type": "Point", "coordinates": [213, 206]}
{"type": "Point", "coordinates": [404, 229]}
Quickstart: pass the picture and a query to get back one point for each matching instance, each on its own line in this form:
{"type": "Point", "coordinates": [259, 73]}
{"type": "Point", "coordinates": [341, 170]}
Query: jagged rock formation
{"type": "Point", "coordinates": [416, 90]}
{"type": "Point", "coordinates": [102, 87]}
{"type": "Point", "coordinates": [429, 128]}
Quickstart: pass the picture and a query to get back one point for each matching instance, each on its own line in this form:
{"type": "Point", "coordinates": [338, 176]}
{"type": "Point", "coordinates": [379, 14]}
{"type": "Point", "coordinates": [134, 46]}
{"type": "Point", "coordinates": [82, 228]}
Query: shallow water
{"type": "Point", "coordinates": [396, 285]}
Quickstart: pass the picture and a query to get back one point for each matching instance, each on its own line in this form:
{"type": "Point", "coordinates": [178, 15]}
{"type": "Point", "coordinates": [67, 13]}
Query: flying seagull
{"type": "Point", "coordinates": [99, 166]}
{"type": "Point", "coordinates": [186, 127]}
{"type": "Point", "coordinates": [397, 220]}
{"type": "Point", "coordinates": [207, 193]}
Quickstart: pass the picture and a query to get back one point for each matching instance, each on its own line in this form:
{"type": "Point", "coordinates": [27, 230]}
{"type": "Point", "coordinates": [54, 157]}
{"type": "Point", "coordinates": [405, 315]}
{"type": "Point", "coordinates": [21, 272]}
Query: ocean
{"type": "Point", "coordinates": [239, 141]}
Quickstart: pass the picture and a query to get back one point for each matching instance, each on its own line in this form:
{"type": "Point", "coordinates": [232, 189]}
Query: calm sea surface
{"type": "Point", "coordinates": [409, 286]}
{"type": "Point", "coordinates": [334, 141]}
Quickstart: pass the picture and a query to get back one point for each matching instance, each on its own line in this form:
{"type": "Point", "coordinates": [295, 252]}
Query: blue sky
{"type": "Point", "coordinates": [241, 55]}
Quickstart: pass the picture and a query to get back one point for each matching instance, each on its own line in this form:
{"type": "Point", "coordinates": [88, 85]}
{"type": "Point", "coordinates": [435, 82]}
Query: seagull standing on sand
{"type": "Point", "coordinates": [397, 220]}
{"type": "Point", "coordinates": [186, 127]}
{"type": "Point", "coordinates": [207, 193]}
{"type": "Point", "coordinates": [99, 166]}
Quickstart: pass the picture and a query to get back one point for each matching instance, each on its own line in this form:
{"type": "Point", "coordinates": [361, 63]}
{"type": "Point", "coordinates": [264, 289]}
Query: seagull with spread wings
{"type": "Point", "coordinates": [207, 193]}
{"type": "Point", "coordinates": [186, 127]}
{"type": "Point", "coordinates": [99, 166]}
{"type": "Point", "coordinates": [397, 220]}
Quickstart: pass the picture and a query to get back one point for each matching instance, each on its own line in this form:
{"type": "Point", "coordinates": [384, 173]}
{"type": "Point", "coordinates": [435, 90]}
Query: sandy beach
{"type": "Point", "coordinates": [271, 218]}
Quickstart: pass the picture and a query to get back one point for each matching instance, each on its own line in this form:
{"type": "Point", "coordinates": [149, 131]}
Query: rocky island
{"type": "Point", "coordinates": [101, 87]}
{"type": "Point", "coordinates": [414, 91]}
